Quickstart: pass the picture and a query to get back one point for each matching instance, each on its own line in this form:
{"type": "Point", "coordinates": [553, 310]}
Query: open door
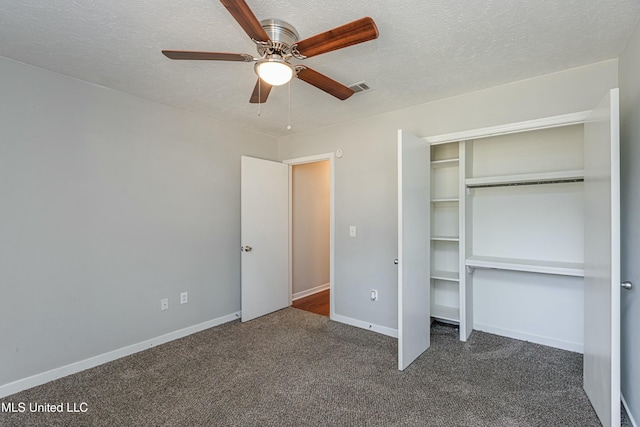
{"type": "Point", "coordinates": [414, 257]}
{"type": "Point", "coordinates": [264, 234]}
{"type": "Point", "coordinates": [602, 260]}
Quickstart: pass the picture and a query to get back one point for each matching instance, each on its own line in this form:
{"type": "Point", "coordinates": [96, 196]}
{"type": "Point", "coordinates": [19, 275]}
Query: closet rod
{"type": "Point", "coordinates": [511, 184]}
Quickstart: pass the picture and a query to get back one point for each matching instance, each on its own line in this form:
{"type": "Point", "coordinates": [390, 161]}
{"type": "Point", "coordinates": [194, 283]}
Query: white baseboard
{"type": "Point", "coordinates": [72, 368]}
{"type": "Point", "coordinates": [551, 342]}
{"type": "Point", "coordinates": [629, 414]}
{"type": "Point", "coordinates": [311, 291]}
{"type": "Point", "coordinates": [365, 325]}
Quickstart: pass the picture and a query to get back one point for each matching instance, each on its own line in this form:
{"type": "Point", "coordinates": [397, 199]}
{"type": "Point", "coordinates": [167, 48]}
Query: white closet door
{"type": "Point", "coordinates": [414, 258]}
{"type": "Point", "coordinates": [602, 260]}
{"type": "Point", "coordinates": [264, 237]}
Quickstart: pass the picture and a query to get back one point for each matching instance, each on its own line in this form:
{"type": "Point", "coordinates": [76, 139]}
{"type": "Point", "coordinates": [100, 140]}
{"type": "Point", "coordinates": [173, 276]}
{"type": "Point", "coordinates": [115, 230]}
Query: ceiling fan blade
{"type": "Point", "coordinates": [260, 92]}
{"type": "Point", "coordinates": [242, 13]}
{"type": "Point", "coordinates": [211, 56]}
{"type": "Point", "coordinates": [324, 83]}
{"type": "Point", "coordinates": [355, 32]}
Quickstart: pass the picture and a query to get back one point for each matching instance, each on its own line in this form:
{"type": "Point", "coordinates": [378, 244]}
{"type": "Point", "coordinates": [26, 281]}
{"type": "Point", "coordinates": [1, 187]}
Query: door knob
{"type": "Point", "coordinates": [246, 248]}
{"type": "Point", "coordinates": [627, 285]}
{"type": "Point", "coordinates": [395, 261]}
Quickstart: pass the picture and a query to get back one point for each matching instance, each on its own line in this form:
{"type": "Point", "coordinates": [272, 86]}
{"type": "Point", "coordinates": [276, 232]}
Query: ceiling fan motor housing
{"type": "Point", "coordinates": [282, 34]}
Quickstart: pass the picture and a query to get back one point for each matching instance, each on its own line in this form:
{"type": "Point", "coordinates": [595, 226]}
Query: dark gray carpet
{"type": "Point", "coordinates": [294, 368]}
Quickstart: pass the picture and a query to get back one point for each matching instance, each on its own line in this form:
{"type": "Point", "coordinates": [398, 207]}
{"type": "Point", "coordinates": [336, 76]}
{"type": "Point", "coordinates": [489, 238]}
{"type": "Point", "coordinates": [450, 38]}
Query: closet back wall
{"type": "Point", "coordinates": [536, 222]}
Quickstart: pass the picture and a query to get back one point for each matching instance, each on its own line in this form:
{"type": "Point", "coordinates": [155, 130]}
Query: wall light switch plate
{"type": "Point", "coordinates": [352, 231]}
{"type": "Point", "coordinates": [164, 304]}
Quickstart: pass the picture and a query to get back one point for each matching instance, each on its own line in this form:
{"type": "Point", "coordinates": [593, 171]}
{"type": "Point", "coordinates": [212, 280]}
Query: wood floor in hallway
{"type": "Point", "coordinates": [317, 303]}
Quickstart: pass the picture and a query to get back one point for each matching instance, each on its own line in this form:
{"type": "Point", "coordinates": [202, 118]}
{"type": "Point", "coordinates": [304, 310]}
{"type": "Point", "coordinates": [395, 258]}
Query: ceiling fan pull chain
{"type": "Point", "coordinates": [259, 96]}
{"type": "Point", "coordinates": [289, 125]}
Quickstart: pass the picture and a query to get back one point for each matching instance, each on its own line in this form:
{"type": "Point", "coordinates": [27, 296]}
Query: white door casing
{"type": "Point", "coordinates": [264, 237]}
{"type": "Point", "coordinates": [414, 258]}
{"type": "Point", "coordinates": [330, 157]}
{"type": "Point", "coordinates": [602, 260]}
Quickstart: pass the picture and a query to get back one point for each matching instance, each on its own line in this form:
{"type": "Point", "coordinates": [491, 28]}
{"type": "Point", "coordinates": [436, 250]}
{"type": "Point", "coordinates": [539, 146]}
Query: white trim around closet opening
{"type": "Point", "coordinates": [528, 125]}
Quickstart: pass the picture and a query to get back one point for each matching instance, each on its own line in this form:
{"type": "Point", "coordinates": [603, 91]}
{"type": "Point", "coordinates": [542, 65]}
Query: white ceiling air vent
{"type": "Point", "coordinates": [360, 87]}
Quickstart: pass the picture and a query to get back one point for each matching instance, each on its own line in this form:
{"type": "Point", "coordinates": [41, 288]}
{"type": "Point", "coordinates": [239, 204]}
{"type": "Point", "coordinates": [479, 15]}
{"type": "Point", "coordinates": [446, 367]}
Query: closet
{"type": "Point", "coordinates": [515, 230]}
{"type": "Point", "coordinates": [507, 225]}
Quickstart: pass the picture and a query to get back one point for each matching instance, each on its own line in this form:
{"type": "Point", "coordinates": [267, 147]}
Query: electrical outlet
{"type": "Point", "coordinates": [184, 298]}
{"type": "Point", "coordinates": [164, 304]}
{"type": "Point", "coordinates": [374, 295]}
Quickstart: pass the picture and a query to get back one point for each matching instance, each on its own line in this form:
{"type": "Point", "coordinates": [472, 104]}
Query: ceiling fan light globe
{"type": "Point", "coordinates": [275, 73]}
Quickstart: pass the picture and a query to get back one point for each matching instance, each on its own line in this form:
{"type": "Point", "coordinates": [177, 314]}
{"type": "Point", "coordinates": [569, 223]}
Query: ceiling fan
{"type": "Point", "coordinates": [277, 43]}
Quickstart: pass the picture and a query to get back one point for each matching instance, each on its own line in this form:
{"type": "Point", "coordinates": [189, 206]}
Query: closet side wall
{"type": "Point", "coordinates": [630, 224]}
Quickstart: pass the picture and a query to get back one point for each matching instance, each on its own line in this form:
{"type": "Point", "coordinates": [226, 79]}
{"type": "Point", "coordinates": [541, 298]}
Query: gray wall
{"type": "Point", "coordinates": [311, 193]}
{"type": "Point", "coordinates": [109, 203]}
{"type": "Point", "coordinates": [366, 177]}
{"type": "Point", "coordinates": [630, 221]}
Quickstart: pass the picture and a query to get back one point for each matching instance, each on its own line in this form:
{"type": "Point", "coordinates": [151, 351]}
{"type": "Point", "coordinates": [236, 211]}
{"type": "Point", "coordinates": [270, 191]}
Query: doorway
{"type": "Point", "coordinates": [311, 234]}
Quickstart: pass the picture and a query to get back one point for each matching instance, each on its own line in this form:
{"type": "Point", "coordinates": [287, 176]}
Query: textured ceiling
{"type": "Point", "coordinates": [427, 50]}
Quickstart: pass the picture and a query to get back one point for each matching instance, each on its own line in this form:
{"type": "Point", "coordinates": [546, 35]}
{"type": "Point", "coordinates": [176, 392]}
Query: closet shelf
{"type": "Point", "coordinates": [529, 178]}
{"type": "Point", "coordinates": [450, 276]}
{"type": "Point", "coordinates": [445, 238]}
{"type": "Point", "coordinates": [445, 313]}
{"type": "Point", "coordinates": [528, 265]}
{"type": "Point", "coordinates": [435, 164]}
